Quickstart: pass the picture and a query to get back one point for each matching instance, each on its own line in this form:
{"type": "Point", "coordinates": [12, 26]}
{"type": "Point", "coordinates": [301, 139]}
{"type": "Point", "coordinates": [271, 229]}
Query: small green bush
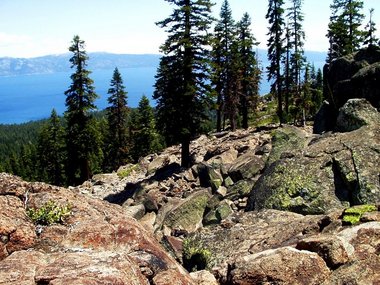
{"type": "Point", "coordinates": [194, 256]}
{"type": "Point", "coordinates": [353, 215]}
{"type": "Point", "coordinates": [50, 213]}
{"type": "Point", "coordinates": [125, 172]}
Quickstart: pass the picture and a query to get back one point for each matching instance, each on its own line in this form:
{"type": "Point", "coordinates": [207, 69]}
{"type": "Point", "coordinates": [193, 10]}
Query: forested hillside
{"type": "Point", "coordinates": [17, 142]}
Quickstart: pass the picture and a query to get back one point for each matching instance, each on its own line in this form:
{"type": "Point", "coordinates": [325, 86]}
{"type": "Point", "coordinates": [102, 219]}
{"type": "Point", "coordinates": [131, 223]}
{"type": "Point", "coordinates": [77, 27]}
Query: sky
{"type": "Point", "coordinates": [30, 28]}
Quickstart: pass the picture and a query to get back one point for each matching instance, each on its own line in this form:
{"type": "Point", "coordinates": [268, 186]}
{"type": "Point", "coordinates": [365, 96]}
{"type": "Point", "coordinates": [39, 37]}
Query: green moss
{"type": "Point", "coordinates": [49, 214]}
{"type": "Point", "coordinates": [294, 189]}
{"type": "Point", "coordinates": [189, 213]}
{"type": "Point", "coordinates": [195, 256]}
{"type": "Point", "coordinates": [125, 172]}
{"type": "Point", "coordinates": [353, 215]}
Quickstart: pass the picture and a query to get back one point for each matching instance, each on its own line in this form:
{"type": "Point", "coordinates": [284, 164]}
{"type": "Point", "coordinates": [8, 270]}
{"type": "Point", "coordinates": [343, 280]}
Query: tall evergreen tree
{"type": "Point", "coordinates": [143, 133]}
{"type": "Point", "coordinates": [117, 116]}
{"type": "Point", "coordinates": [370, 30]}
{"type": "Point", "coordinates": [82, 135]}
{"type": "Point", "coordinates": [51, 151]}
{"type": "Point", "coordinates": [250, 71]}
{"type": "Point", "coordinates": [297, 58]}
{"type": "Point", "coordinates": [186, 54]}
{"type": "Point", "coordinates": [344, 31]}
{"type": "Point", "coordinates": [224, 42]}
{"type": "Point", "coordinates": [287, 69]}
{"type": "Point", "coordinates": [297, 36]}
{"type": "Point", "coordinates": [275, 18]}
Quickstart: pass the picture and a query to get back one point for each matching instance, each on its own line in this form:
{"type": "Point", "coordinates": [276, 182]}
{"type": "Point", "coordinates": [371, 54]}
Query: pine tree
{"type": "Point", "coordinates": [181, 96]}
{"type": "Point", "coordinates": [287, 69]}
{"type": "Point", "coordinates": [370, 30]}
{"type": "Point", "coordinates": [82, 135]}
{"type": "Point", "coordinates": [297, 58]}
{"type": "Point", "coordinates": [275, 50]}
{"type": "Point", "coordinates": [225, 36]}
{"type": "Point", "coordinates": [117, 116]}
{"type": "Point", "coordinates": [344, 31]}
{"type": "Point", "coordinates": [250, 71]}
{"type": "Point", "coordinates": [297, 36]}
{"type": "Point", "coordinates": [143, 133]}
{"type": "Point", "coordinates": [51, 151]}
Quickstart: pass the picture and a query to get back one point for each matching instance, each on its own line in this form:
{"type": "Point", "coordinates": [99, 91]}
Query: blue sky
{"type": "Point", "coordinates": [31, 28]}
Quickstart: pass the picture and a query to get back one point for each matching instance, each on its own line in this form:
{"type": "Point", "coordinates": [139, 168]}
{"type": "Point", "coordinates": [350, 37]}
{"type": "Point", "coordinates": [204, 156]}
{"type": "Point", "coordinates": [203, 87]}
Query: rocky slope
{"type": "Point", "coordinates": [276, 205]}
{"type": "Point", "coordinates": [97, 243]}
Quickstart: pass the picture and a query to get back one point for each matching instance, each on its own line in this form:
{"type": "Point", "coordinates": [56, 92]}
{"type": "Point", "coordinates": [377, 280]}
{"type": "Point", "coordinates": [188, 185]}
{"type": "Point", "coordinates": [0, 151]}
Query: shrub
{"type": "Point", "coordinates": [194, 256]}
{"type": "Point", "coordinates": [125, 172]}
{"type": "Point", "coordinates": [50, 213]}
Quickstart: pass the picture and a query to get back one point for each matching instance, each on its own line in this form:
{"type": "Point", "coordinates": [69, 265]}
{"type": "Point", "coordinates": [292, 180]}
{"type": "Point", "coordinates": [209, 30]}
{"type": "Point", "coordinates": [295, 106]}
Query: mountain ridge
{"type": "Point", "coordinates": [48, 64]}
{"type": "Point", "coordinates": [54, 63]}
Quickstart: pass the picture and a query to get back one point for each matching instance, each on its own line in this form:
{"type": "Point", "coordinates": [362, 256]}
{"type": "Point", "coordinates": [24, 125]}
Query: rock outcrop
{"type": "Point", "coordinates": [97, 243]}
{"type": "Point", "coordinates": [353, 76]}
{"type": "Point", "coordinates": [334, 171]}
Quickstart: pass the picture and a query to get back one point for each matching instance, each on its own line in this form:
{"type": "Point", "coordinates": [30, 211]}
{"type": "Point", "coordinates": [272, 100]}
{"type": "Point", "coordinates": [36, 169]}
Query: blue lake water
{"type": "Point", "coordinates": [32, 97]}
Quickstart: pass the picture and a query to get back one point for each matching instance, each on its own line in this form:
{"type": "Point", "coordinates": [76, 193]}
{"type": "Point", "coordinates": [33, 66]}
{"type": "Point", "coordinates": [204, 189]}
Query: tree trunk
{"type": "Point", "coordinates": [185, 153]}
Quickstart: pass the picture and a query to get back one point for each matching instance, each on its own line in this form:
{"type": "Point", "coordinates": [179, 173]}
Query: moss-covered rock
{"type": "Point", "coordinates": [295, 185]}
{"type": "Point", "coordinates": [246, 166]}
{"type": "Point", "coordinates": [222, 211]}
{"type": "Point", "coordinates": [209, 176]}
{"type": "Point", "coordinates": [188, 214]}
{"type": "Point", "coordinates": [355, 114]}
{"type": "Point", "coordinates": [353, 215]}
{"type": "Point", "coordinates": [333, 171]}
{"type": "Point", "coordinates": [286, 140]}
{"type": "Point", "coordinates": [239, 190]}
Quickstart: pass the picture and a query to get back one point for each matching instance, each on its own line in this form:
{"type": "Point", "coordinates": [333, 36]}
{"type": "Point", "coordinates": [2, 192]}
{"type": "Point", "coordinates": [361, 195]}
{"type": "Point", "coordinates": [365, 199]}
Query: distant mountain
{"type": "Point", "coordinates": [60, 63]}
{"type": "Point", "coordinates": [101, 60]}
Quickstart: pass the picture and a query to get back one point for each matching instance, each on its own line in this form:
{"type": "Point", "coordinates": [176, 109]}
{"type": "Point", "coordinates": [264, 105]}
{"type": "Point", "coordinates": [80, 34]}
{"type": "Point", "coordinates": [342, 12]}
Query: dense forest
{"type": "Point", "coordinates": [208, 79]}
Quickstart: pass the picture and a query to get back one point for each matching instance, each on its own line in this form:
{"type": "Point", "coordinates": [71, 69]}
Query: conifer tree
{"type": "Point", "coordinates": [51, 151]}
{"type": "Point", "coordinates": [181, 81]}
{"type": "Point", "coordinates": [344, 31]}
{"type": "Point", "coordinates": [224, 59]}
{"type": "Point", "coordinates": [370, 30]}
{"type": "Point", "coordinates": [276, 50]}
{"type": "Point", "coordinates": [250, 71]}
{"type": "Point", "coordinates": [117, 116]}
{"type": "Point", "coordinates": [143, 133]}
{"type": "Point", "coordinates": [297, 59]}
{"type": "Point", "coordinates": [82, 135]}
{"type": "Point", "coordinates": [297, 35]}
{"type": "Point", "coordinates": [287, 69]}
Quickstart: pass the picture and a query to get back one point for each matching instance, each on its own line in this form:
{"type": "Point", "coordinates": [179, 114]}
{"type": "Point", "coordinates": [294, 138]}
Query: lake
{"type": "Point", "coordinates": [32, 97]}
{"type": "Point", "coordinates": [26, 98]}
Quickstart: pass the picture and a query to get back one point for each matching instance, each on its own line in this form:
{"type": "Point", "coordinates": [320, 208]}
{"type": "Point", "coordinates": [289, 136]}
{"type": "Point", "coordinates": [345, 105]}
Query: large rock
{"type": "Point", "coordinates": [242, 234]}
{"type": "Point", "coordinates": [286, 141]}
{"type": "Point", "coordinates": [353, 76]}
{"type": "Point", "coordinates": [333, 250]}
{"type": "Point", "coordinates": [364, 242]}
{"type": "Point", "coordinates": [246, 166]}
{"type": "Point", "coordinates": [97, 243]}
{"type": "Point", "coordinates": [280, 266]}
{"type": "Point", "coordinates": [188, 214]}
{"type": "Point", "coordinates": [355, 114]}
{"type": "Point", "coordinates": [334, 171]}
{"type": "Point", "coordinates": [16, 231]}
